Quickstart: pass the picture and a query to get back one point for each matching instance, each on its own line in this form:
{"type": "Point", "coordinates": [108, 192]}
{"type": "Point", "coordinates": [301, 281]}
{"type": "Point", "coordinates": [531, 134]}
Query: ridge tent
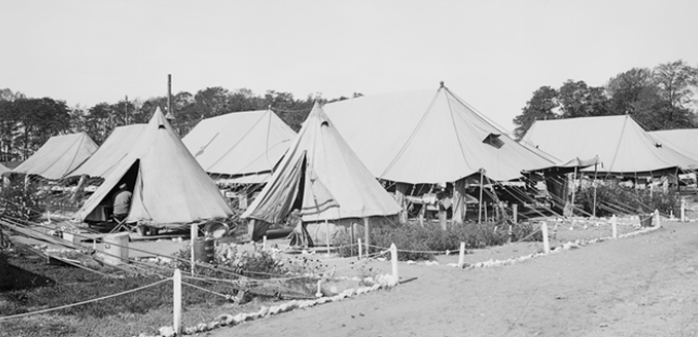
{"type": "Point", "coordinates": [241, 146]}
{"type": "Point", "coordinates": [428, 137]}
{"type": "Point", "coordinates": [681, 140]}
{"type": "Point", "coordinates": [322, 177]}
{"type": "Point", "coordinates": [112, 151]}
{"type": "Point", "coordinates": [3, 169]}
{"type": "Point", "coordinates": [168, 184]}
{"type": "Point", "coordinates": [59, 156]}
{"type": "Point", "coordinates": [622, 146]}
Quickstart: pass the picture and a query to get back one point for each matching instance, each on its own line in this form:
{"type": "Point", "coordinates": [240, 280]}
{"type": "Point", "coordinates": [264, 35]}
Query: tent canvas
{"type": "Point", "coordinates": [681, 140]}
{"type": "Point", "coordinates": [240, 146]}
{"type": "Point", "coordinates": [110, 154]}
{"type": "Point", "coordinates": [3, 169]}
{"type": "Point", "coordinates": [59, 156]}
{"type": "Point", "coordinates": [322, 177]}
{"type": "Point", "coordinates": [169, 185]}
{"type": "Point", "coordinates": [428, 137]}
{"type": "Point", "coordinates": [623, 147]}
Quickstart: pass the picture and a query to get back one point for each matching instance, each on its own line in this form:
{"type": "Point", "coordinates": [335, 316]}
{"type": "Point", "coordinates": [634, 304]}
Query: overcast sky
{"type": "Point", "coordinates": [493, 54]}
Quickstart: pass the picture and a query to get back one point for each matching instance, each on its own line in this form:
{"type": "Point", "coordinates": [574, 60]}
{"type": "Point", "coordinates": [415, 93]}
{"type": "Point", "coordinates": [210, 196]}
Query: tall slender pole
{"type": "Point", "coordinates": [126, 111]}
{"type": "Point", "coordinates": [479, 212]}
{"type": "Point", "coordinates": [593, 210]}
{"type": "Point", "coordinates": [169, 94]}
{"type": "Point", "coordinates": [574, 189]}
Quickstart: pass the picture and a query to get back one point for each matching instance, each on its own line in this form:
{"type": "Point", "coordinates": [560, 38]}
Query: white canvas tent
{"type": "Point", "coordinates": [59, 156]}
{"type": "Point", "coordinates": [322, 177]}
{"type": "Point", "coordinates": [3, 169]}
{"type": "Point", "coordinates": [169, 186]}
{"type": "Point", "coordinates": [428, 137]}
{"type": "Point", "coordinates": [240, 146]}
{"type": "Point", "coordinates": [681, 140]}
{"type": "Point", "coordinates": [622, 146]}
{"type": "Point", "coordinates": [112, 152]}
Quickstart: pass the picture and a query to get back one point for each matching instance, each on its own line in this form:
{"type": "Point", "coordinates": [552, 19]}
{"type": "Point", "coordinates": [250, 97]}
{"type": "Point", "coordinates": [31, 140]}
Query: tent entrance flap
{"type": "Point", "coordinates": [103, 210]}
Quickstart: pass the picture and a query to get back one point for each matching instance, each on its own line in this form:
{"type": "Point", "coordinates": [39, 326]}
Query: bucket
{"type": "Point", "coordinates": [204, 250]}
{"type": "Point", "coordinates": [217, 229]}
{"type": "Point", "coordinates": [116, 248]}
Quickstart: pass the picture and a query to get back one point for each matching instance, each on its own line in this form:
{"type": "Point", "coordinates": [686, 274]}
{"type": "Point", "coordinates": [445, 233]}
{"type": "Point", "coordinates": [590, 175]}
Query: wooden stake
{"type": "Point", "coordinates": [177, 302]}
{"type": "Point", "coordinates": [461, 255]}
{"type": "Point", "coordinates": [546, 244]}
{"type": "Point", "coordinates": [264, 242]}
{"type": "Point", "coordinates": [657, 218]}
{"type": "Point", "coordinates": [683, 210]}
{"type": "Point", "coordinates": [515, 211]}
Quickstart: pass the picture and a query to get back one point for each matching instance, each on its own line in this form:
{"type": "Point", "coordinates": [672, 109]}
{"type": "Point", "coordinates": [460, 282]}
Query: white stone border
{"type": "Point", "coordinates": [381, 282]}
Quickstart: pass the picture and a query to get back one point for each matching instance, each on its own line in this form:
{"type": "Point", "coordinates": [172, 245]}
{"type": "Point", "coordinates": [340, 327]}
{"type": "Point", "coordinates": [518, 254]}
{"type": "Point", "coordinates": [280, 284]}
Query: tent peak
{"type": "Point", "coordinates": [441, 84]}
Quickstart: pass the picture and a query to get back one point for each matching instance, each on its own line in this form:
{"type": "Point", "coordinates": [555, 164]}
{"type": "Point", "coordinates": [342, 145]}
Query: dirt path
{"type": "Point", "coordinates": [641, 286]}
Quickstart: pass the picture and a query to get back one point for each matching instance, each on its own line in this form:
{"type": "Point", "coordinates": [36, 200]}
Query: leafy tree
{"type": "Point", "coordinates": [633, 91]}
{"type": "Point", "coordinates": [542, 106]}
{"type": "Point", "coordinates": [38, 119]}
{"type": "Point", "coordinates": [577, 99]}
{"type": "Point", "coordinates": [676, 80]}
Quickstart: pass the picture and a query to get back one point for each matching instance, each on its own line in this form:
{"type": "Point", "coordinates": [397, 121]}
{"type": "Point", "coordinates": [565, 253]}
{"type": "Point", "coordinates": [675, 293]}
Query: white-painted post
{"type": "Point", "coordinates": [614, 226]}
{"type": "Point", "coordinates": [683, 210]}
{"type": "Point", "coordinates": [461, 255]}
{"type": "Point", "coordinates": [515, 212]}
{"type": "Point", "coordinates": [657, 218]}
{"type": "Point", "coordinates": [264, 242]}
{"type": "Point", "coordinates": [193, 233]}
{"type": "Point", "coordinates": [319, 289]}
{"type": "Point", "coordinates": [393, 260]}
{"type": "Point", "coordinates": [360, 249]}
{"type": "Point", "coordinates": [546, 243]}
{"type": "Point", "coordinates": [177, 304]}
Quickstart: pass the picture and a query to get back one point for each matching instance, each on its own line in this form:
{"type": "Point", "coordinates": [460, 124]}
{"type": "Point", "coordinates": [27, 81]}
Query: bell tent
{"type": "Point", "coordinates": [623, 147]}
{"type": "Point", "coordinates": [169, 186]}
{"type": "Point", "coordinates": [59, 156]}
{"type": "Point", "coordinates": [323, 178]}
{"type": "Point", "coordinates": [112, 152]}
{"type": "Point", "coordinates": [240, 146]}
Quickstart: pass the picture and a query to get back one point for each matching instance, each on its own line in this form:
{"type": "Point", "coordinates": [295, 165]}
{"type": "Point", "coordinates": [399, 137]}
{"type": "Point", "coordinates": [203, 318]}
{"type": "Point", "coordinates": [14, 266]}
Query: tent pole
{"type": "Point", "coordinates": [574, 190]}
{"type": "Point", "coordinates": [367, 236]}
{"type": "Point", "coordinates": [593, 210]}
{"type": "Point", "coordinates": [479, 212]}
{"type": "Point", "coordinates": [400, 192]}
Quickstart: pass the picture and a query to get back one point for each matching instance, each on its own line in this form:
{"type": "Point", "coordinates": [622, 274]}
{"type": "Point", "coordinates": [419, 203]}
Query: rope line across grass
{"type": "Point", "coordinates": [85, 302]}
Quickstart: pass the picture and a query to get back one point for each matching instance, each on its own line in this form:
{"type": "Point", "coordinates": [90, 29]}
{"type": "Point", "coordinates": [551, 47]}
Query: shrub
{"type": "Point", "coordinates": [416, 242]}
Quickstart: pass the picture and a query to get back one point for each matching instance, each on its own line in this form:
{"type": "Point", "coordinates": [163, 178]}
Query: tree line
{"type": "Point", "coordinates": [27, 123]}
{"type": "Point", "coordinates": [659, 98]}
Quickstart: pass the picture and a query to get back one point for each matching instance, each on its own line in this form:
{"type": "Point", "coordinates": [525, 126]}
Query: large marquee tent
{"type": "Point", "coordinates": [623, 147]}
{"type": "Point", "coordinates": [59, 156]}
{"type": "Point", "coordinates": [429, 136]}
{"type": "Point", "coordinates": [112, 152]}
{"type": "Point", "coordinates": [240, 146]}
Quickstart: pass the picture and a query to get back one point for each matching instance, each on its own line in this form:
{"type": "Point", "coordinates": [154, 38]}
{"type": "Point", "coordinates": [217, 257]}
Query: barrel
{"type": "Point", "coordinates": [204, 250]}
